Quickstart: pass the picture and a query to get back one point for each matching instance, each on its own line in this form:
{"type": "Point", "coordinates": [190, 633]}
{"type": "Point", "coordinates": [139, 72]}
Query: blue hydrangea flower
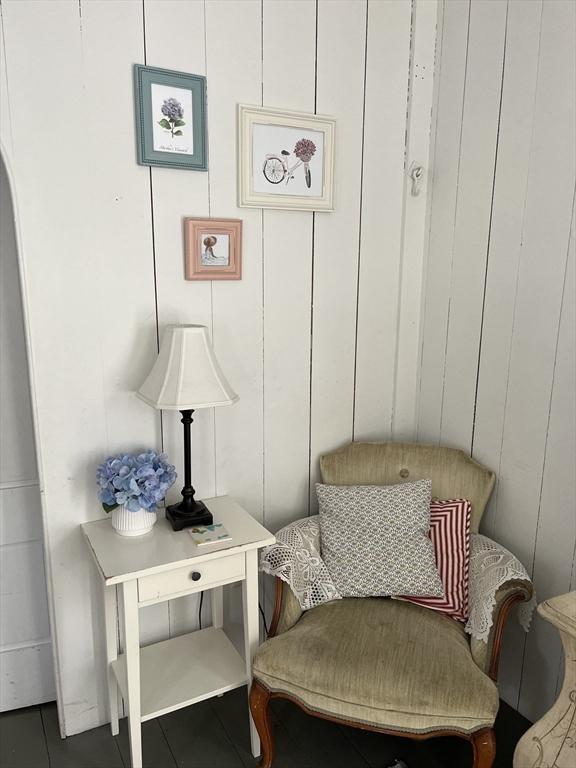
{"type": "Point", "coordinates": [138, 482]}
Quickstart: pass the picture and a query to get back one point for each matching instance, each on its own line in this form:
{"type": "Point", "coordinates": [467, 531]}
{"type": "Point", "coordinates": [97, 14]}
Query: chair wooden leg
{"type": "Point", "coordinates": [259, 707]}
{"type": "Point", "coordinates": [484, 746]}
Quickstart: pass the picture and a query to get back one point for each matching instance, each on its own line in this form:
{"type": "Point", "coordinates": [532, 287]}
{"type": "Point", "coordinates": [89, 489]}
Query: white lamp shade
{"type": "Point", "coordinates": [186, 374]}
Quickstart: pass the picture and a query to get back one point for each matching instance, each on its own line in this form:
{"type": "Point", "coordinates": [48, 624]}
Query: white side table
{"type": "Point", "coordinates": [163, 565]}
{"type": "Point", "coordinates": [552, 740]}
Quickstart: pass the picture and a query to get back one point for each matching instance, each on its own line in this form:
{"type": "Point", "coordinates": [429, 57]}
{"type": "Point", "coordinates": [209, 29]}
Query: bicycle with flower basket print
{"type": "Point", "coordinates": [276, 167]}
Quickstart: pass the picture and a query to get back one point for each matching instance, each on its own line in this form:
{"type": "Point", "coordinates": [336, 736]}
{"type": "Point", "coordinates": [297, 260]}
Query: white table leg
{"type": "Point", "coordinates": [111, 613]}
{"type": "Point", "coordinates": [217, 598]}
{"type": "Point", "coordinates": [132, 652]}
{"type": "Point", "coordinates": [251, 629]}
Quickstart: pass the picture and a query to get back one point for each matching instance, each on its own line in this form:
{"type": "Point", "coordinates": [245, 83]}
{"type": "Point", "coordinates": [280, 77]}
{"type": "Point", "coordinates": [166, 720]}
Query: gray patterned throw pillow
{"type": "Point", "coordinates": [375, 539]}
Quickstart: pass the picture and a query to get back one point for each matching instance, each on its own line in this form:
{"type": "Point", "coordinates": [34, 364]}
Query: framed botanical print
{"type": "Point", "coordinates": [285, 159]}
{"type": "Point", "coordinates": [170, 118]}
{"type": "Point", "coordinates": [213, 249]}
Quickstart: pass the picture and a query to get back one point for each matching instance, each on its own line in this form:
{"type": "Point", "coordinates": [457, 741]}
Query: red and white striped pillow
{"type": "Point", "coordinates": [450, 534]}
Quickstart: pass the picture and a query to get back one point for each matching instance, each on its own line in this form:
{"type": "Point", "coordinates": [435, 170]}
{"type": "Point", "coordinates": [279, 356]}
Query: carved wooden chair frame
{"type": "Point", "coordinates": [483, 741]}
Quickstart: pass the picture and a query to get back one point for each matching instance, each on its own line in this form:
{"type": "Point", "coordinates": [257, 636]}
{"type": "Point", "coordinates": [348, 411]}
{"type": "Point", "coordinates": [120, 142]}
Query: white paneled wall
{"type": "Point", "coordinates": [308, 337]}
{"type": "Point", "coordinates": [497, 375]}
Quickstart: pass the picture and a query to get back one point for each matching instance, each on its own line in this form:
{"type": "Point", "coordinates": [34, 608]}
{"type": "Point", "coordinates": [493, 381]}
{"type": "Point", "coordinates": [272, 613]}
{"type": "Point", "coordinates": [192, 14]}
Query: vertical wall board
{"type": "Point", "coordinates": [234, 70]}
{"type": "Point", "coordinates": [540, 283]}
{"type": "Point", "coordinates": [414, 239]}
{"type": "Point", "coordinates": [475, 181]}
{"type": "Point", "coordinates": [340, 92]}
{"type": "Point", "coordinates": [444, 197]}
{"type": "Point", "coordinates": [511, 179]}
{"type": "Point", "coordinates": [126, 199]}
{"type": "Point", "coordinates": [5, 126]}
{"type": "Point", "coordinates": [120, 204]}
{"type": "Point", "coordinates": [387, 68]}
{"type": "Point", "coordinates": [176, 194]}
{"type": "Point", "coordinates": [556, 532]}
{"type": "Point", "coordinates": [288, 82]}
{"type": "Point", "coordinates": [72, 320]}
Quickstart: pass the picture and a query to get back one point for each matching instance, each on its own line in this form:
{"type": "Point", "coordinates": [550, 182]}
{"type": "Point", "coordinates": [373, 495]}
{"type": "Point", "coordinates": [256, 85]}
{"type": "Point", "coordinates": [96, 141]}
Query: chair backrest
{"type": "Point", "coordinates": [454, 475]}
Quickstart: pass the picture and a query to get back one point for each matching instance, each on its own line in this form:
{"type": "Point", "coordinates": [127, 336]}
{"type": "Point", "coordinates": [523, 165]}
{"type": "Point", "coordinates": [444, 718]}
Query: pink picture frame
{"type": "Point", "coordinates": [213, 249]}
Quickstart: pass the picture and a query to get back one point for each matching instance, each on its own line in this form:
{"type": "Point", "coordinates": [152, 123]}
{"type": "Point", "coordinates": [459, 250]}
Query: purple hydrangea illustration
{"type": "Point", "coordinates": [174, 112]}
{"type": "Point", "coordinates": [138, 482]}
{"type": "Point", "coordinates": [172, 109]}
{"type": "Point", "coordinates": [304, 150]}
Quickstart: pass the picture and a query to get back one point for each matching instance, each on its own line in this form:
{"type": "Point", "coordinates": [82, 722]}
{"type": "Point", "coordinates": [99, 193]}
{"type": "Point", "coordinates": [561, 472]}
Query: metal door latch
{"type": "Point", "coordinates": [416, 174]}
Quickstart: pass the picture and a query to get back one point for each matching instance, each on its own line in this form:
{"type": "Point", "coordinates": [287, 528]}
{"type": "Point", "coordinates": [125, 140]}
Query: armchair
{"type": "Point", "coordinates": [382, 664]}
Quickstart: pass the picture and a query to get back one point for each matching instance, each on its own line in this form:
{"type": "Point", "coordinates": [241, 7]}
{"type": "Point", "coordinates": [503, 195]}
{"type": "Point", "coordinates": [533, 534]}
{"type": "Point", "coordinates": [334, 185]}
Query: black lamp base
{"type": "Point", "coordinates": [184, 515]}
{"type": "Point", "coordinates": [188, 512]}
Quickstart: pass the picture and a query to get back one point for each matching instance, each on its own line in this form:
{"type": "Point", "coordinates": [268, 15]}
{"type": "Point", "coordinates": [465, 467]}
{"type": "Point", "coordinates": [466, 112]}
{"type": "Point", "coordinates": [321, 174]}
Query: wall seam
{"type": "Point", "coordinates": [494, 174]}
{"type": "Point", "coordinates": [5, 57]}
{"type": "Point", "coordinates": [403, 219]}
{"type": "Point", "coordinates": [431, 187]}
{"type": "Point", "coordinates": [215, 461]}
{"type": "Point", "coordinates": [360, 203]}
{"type": "Point", "coordinates": [263, 287]}
{"type": "Point", "coordinates": [154, 275]}
{"type": "Point", "coordinates": [455, 220]}
{"type": "Point", "coordinates": [312, 288]}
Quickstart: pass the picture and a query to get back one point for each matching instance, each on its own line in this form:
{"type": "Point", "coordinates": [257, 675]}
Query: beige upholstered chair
{"type": "Point", "coordinates": [381, 664]}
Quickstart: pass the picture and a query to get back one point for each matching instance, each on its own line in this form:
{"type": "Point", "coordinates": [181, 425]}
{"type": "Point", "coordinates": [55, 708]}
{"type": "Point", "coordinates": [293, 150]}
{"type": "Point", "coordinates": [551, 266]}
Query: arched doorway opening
{"type": "Point", "coordinates": [26, 654]}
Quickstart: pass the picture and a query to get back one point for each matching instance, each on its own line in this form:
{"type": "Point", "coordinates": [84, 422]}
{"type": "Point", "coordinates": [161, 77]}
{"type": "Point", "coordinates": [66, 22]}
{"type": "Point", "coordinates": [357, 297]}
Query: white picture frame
{"type": "Point", "coordinates": [285, 159]}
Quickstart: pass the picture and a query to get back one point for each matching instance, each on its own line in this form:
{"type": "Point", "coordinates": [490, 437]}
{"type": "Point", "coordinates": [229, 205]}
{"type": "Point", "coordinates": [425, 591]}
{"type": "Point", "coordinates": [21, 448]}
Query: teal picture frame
{"type": "Point", "coordinates": [161, 124]}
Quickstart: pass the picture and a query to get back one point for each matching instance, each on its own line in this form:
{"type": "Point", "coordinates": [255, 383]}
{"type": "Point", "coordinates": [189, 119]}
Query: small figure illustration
{"type": "Point", "coordinates": [276, 167]}
{"type": "Point", "coordinates": [212, 256]}
{"type": "Point", "coordinates": [208, 255]}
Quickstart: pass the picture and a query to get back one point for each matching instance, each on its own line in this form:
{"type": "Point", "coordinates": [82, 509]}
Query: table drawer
{"type": "Point", "coordinates": [191, 578]}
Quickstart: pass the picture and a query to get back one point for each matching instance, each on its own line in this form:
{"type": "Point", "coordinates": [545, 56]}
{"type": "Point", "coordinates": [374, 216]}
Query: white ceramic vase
{"type": "Point", "coordinates": [127, 523]}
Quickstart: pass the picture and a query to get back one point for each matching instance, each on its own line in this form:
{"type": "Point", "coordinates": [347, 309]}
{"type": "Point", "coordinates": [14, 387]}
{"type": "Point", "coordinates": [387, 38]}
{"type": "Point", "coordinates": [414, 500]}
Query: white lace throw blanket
{"type": "Point", "coordinates": [491, 566]}
{"type": "Point", "coordinates": [296, 559]}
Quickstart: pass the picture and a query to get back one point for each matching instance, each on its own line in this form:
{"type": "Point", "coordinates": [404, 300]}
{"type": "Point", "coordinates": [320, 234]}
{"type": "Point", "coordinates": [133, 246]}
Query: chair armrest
{"type": "Point", "coordinates": [487, 654]}
{"type": "Point", "coordinates": [302, 579]}
{"type": "Point", "coordinates": [287, 609]}
{"type": "Point", "coordinates": [498, 580]}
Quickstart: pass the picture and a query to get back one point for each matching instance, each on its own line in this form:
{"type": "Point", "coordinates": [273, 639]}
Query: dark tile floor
{"type": "Point", "coordinates": [214, 734]}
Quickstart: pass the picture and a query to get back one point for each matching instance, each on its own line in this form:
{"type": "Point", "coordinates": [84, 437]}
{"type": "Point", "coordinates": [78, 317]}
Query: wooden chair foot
{"type": "Point", "coordinates": [484, 746]}
{"type": "Point", "coordinates": [259, 707]}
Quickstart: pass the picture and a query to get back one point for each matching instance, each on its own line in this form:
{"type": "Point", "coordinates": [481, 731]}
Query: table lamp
{"type": "Point", "coordinates": [186, 376]}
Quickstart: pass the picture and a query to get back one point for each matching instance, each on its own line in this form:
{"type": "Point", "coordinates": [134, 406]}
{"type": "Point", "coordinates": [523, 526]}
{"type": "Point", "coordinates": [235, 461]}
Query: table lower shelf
{"type": "Point", "coordinates": [184, 670]}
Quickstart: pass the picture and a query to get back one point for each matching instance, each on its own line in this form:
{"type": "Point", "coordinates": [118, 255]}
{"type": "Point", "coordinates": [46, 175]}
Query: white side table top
{"type": "Point", "coordinates": [123, 559]}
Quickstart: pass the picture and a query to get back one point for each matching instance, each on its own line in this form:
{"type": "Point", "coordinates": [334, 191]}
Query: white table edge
{"type": "Point", "coordinates": [202, 558]}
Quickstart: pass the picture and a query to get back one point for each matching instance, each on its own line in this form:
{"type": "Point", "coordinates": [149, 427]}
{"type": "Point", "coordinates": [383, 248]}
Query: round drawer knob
{"type": "Point", "coordinates": [404, 473]}
{"type": "Point", "coordinates": [195, 575]}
